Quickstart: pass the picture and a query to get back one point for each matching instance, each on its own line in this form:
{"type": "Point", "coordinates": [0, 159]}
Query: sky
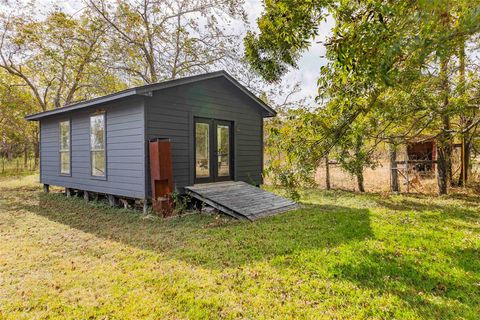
{"type": "Point", "coordinates": [308, 66]}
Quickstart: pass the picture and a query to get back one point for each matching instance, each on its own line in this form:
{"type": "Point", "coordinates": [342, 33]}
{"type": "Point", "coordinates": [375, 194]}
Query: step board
{"type": "Point", "coordinates": [240, 200]}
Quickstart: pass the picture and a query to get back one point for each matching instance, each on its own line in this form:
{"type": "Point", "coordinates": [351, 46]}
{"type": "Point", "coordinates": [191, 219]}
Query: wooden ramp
{"type": "Point", "coordinates": [240, 200]}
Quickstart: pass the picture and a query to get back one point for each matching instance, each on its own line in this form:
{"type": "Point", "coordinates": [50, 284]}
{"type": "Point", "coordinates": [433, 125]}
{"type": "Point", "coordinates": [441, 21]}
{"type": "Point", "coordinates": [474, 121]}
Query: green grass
{"type": "Point", "coordinates": [342, 255]}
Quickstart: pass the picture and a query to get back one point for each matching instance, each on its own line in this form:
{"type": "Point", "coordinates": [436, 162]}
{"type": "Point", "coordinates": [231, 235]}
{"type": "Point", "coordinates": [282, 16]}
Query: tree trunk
{"type": "Point", "coordinates": [394, 186]}
{"type": "Point", "coordinates": [449, 165]}
{"type": "Point", "coordinates": [25, 156]}
{"type": "Point", "coordinates": [327, 174]}
{"type": "Point", "coordinates": [36, 149]}
{"type": "Point", "coordinates": [448, 146]}
{"type": "Point", "coordinates": [37, 155]}
{"type": "Point", "coordinates": [444, 146]}
{"type": "Point", "coordinates": [442, 171]}
{"type": "Point", "coordinates": [464, 170]}
{"type": "Point", "coordinates": [360, 183]}
{"type": "Point", "coordinates": [359, 165]}
{"type": "Point", "coordinates": [465, 121]}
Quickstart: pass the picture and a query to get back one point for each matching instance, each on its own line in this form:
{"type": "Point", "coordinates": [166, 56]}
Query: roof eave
{"type": "Point", "coordinates": [80, 105]}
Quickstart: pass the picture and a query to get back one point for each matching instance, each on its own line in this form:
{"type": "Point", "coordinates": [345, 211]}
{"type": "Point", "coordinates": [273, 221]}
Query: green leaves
{"type": "Point", "coordinates": [382, 81]}
{"type": "Point", "coordinates": [286, 31]}
{"type": "Point", "coordinates": [55, 56]}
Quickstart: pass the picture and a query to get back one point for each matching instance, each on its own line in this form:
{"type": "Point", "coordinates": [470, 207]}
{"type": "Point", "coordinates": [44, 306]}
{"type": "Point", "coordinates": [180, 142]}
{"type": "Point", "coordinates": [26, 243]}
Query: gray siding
{"type": "Point", "coordinates": [125, 146]}
{"type": "Point", "coordinates": [170, 113]}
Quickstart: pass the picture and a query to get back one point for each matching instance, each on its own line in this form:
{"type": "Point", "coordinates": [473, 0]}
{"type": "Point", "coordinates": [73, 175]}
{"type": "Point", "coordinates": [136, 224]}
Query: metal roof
{"type": "Point", "coordinates": [147, 89]}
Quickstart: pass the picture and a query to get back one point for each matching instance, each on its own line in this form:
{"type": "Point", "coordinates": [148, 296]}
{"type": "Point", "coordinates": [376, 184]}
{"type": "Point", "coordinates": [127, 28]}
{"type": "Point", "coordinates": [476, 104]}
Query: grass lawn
{"type": "Point", "coordinates": [342, 255]}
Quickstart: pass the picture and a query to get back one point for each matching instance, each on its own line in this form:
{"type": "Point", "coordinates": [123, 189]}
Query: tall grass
{"type": "Point", "coordinates": [17, 166]}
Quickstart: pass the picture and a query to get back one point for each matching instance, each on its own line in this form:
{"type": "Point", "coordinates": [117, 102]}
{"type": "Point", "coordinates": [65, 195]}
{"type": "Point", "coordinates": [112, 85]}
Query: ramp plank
{"type": "Point", "coordinates": [240, 200]}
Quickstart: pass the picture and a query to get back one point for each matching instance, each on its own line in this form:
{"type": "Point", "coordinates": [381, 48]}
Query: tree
{"type": "Point", "coordinates": [15, 103]}
{"type": "Point", "coordinates": [290, 157]}
{"type": "Point", "coordinates": [58, 58]}
{"type": "Point", "coordinates": [467, 99]}
{"type": "Point", "coordinates": [157, 40]}
{"type": "Point", "coordinates": [354, 153]}
{"type": "Point", "coordinates": [49, 61]}
{"type": "Point", "coordinates": [376, 47]}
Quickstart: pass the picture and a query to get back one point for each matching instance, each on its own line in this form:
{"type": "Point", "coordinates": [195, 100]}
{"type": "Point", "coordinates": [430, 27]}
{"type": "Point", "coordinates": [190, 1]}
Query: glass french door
{"type": "Point", "coordinates": [213, 150]}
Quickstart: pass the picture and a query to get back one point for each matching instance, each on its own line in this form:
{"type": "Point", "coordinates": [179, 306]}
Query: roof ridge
{"type": "Point", "coordinates": [145, 89]}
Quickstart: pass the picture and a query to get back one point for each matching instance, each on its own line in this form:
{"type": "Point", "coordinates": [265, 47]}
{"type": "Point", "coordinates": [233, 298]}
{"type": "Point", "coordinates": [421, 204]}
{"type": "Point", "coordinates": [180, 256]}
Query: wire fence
{"type": "Point", "coordinates": [377, 179]}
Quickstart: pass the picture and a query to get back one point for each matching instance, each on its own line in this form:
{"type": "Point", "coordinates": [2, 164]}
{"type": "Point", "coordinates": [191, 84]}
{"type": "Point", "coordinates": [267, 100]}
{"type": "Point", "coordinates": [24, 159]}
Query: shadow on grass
{"type": "Point", "coordinates": [207, 240]}
{"type": "Point", "coordinates": [456, 206]}
{"type": "Point", "coordinates": [469, 260]}
{"type": "Point", "coordinates": [421, 279]}
{"type": "Point", "coordinates": [446, 211]}
{"type": "Point", "coordinates": [217, 243]}
{"type": "Point", "coordinates": [413, 282]}
{"type": "Point", "coordinates": [467, 199]}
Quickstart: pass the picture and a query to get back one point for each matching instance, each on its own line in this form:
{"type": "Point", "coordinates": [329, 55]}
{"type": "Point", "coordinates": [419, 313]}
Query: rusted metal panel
{"type": "Point", "coordinates": [424, 153]}
{"type": "Point", "coordinates": [161, 176]}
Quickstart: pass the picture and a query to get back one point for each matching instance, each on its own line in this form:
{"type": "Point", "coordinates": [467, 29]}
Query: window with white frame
{"type": "Point", "coordinates": [65, 147]}
{"type": "Point", "coordinates": [97, 145]}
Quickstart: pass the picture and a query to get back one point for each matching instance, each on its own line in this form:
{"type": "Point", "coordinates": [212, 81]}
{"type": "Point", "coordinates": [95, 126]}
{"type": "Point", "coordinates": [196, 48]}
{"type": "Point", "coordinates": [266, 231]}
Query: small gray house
{"type": "Point", "coordinates": [215, 126]}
